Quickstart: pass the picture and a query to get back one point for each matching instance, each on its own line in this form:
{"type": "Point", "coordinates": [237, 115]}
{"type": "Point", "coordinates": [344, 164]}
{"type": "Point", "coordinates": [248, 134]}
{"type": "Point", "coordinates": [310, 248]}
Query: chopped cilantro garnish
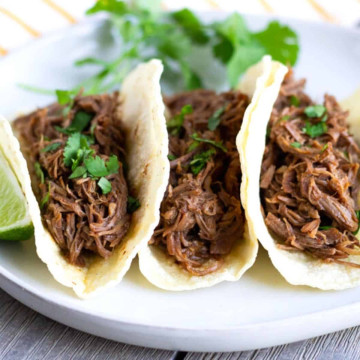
{"type": "Point", "coordinates": [78, 172]}
{"type": "Point", "coordinates": [200, 160]}
{"type": "Point", "coordinates": [51, 147]}
{"type": "Point", "coordinates": [112, 165]}
{"type": "Point", "coordinates": [325, 227]}
{"type": "Point", "coordinates": [315, 111]}
{"type": "Point", "coordinates": [171, 157]}
{"type": "Point", "coordinates": [96, 166]}
{"type": "Point", "coordinates": [314, 130]}
{"type": "Point", "coordinates": [357, 212]}
{"type": "Point", "coordinates": [175, 124]}
{"type": "Point", "coordinates": [81, 121]}
{"type": "Point", "coordinates": [215, 118]}
{"type": "Point", "coordinates": [296, 144]}
{"type": "Point", "coordinates": [219, 145]}
{"type": "Point", "coordinates": [105, 185]}
{"type": "Point", "coordinates": [71, 148]}
{"type": "Point", "coordinates": [324, 118]}
{"type": "Point", "coordinates": [45, 199]}
{"type": "Point", "coordinates": [64, 96]}
{"type": "Point", "coordinates": [325, 147]}
{"type": "Point", "coordinates": [132, 204]}
{"type": "Point", "coordinates": [285, 118]}
{"type": "Point", "coordinates": [39, 172]}
{"type": "Point", "coordinates": [294, 100]}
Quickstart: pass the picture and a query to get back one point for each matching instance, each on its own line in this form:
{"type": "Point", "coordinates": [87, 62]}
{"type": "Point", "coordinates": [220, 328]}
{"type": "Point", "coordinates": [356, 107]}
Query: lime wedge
{"type": "Point", "coordinates": [15, 222]}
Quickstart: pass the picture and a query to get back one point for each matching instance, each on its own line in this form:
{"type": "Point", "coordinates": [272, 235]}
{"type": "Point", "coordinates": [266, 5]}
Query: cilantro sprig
{"type": "Point", "coordinates": [145, 31]}
{"type": "Point", "coordinates": [215, 118]}
{"type": "Point", "coordinates": [200, 160]}
{"type": "Point", "coordinates": [198, 140]}
{"type": "Point", "coordinates": [175, 124]}
{"type": "Point", "coordinates": [79, 156]}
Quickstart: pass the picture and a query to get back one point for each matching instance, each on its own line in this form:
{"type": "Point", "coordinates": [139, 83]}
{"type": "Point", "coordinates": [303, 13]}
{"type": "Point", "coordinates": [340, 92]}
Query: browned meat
{"type": "Point", "coordinates": [201, 213]}
{"type": "Point", "coordinates": [309, 176]}
{"type": "Point", "coordinates": [79, 217]}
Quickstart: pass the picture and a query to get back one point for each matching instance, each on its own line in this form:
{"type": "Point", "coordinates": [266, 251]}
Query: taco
{"type": "Point", "coordinates": [99, 170]}
{"type": "Point", "coordinates": [303, 185]}
{"type": "Point", "coordinates": [203, 237]}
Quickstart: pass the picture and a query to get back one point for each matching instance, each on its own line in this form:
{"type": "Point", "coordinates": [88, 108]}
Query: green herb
{"type": "Point", "coordinates": [346, 154]}
{"type": "Point", "coordinates": [39, 172]}
{"type": "Point", "coordinates": [176, 123]}
{"type": "Point", "coordinates": [219, 145]}
{"type": "Point", "coordinates": [200, 160]}
{"type": "Point", "coordinates": [325, 227]}
{"type": "Point", "coordinates": [81, 121]}
{"type": "Point", "coordinates": [315, 111]}
{"type": "Point", "coordinates": [71, 148]}
{"type": "Point", "coordinates": [171, 157]}
{"type": "Point", "coordinates": [51, 147]}
{"type": "Point", "coordinates": [132, 204]}
{"type": "Point", "coordinates": [145, 31]}
{"type": "Point", "coordinates": [96, 166]}
{"type": "Point", "coordinates": [78, 172]}
{"type": "Point", "coordinates": [294, 100]}
{"type": "Point", "coordinates": [112, 165]}
{"type": "Point", "coordinates": [314, 130]}
{"type": "Point", "coordinates": [296, 144]}
{"type": "Point", "coordinates": [45, 199]}
{"type": "Point", "coordinates": [105, 185]}
{"type": "Point", "coordinates": [357, 212]}
{"type": "Point", "coordinates": [215, 118]}
{"type": "Point", "coordinates": [325, 147]}
{"type": "Point", "coordinates": [268, 132]}
{"type": "Point", "coordinates": [92, 129]}
{"type": "Point", "coordinates": [285, 118]}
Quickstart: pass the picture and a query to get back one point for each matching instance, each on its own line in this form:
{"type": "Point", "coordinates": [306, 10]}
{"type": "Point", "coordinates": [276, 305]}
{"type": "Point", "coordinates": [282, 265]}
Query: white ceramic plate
{"type": "Point", "coordinates": [258, 311]}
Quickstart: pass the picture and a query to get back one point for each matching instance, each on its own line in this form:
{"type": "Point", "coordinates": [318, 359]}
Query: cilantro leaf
{"type": "Point", "coordinates": [81, 121]}
{"type": "Point", "coordinates": [296, 144]}
{"type": "Point", "coordinates": [357, 212]}
{"type": "Point", "coordinates": [71, 148]}
{"type": "Point", "coordinates": [51, 147]}
{"type": "Point", "coordinates": [219, 145]}
{"type": "Point", "coordinates": [314, 130]}
{"type": "Point", "coordinates": [315, 111]}
{"type": "Point", "coordinates": [78, 172]}
{"type": "Point", "coordinates": [45, 199]}
{"type": "Point", "coordinates": [64, 96]}
{"type": "Point", "coordinates": [294, 100]}
{"type": "Point", "coordinates": [280, 42]}
{"type": "Point", "coordinates": [191, 25]}
{"type": "Point", "coordinates": [171, 157]}
{"type": "Point", "coordinates": [326, 227]}
{"type": "Point", "coordinates": [112, 165]}
{"type": "Point", "coordinates": [199, 161]}
{"type": "Point", "coordinates": [215, 118]}
{"type": "Point", "coordinates": [96, 166]}
{"type": "Point", "coordinates": [113, 6]}
{"type": "Point", "coordinates": [178, 120]}
{"type": "Point", "coordinates": [39, 172]}
{"type": "Point", "coordinates": [132, 204]}
{"type": "Point", "coordinates": [105, 185]}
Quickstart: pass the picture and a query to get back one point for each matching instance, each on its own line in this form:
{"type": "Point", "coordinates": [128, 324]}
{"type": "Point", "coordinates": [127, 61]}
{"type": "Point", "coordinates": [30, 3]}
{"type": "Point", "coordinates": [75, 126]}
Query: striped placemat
{"type": "Point", "coordinates": [23, 20]}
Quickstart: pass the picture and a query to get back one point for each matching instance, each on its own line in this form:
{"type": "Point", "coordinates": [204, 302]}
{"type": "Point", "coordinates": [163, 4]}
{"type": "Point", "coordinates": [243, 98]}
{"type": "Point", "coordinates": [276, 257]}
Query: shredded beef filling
{"type": "Point", "coordinates": [201, 213]}
{"type": "Point", "coordinates": [79, 217]}
{"type": "Point", "coordinates": [309, 177]}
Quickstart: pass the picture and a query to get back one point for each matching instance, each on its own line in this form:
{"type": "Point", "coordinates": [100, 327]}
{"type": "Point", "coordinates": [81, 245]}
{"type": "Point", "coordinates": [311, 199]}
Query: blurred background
{"type": "Point", "coordinates": [24, 20]}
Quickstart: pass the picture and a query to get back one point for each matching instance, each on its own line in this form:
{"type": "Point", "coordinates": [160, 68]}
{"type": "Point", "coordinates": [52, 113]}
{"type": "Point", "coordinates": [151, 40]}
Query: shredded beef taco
{"type": "Point", "coordinates": [303, 185]}
{"type": "Point", "coordinates": [99, 171]}
{"type": "Point", "coordinates": [202, 237]}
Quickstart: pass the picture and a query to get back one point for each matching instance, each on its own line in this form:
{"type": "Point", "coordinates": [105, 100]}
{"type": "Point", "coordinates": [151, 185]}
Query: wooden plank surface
{"type": "Point", "coordinates": [24, 334]}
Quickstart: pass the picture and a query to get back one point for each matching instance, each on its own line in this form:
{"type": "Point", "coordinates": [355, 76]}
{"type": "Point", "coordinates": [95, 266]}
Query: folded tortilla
{"type": "Point", "coordinates": [298, 268]}
{"type": "Point", "coordinates": [161, 269]}
{"type": "Point", "coordinates": [142, 113]}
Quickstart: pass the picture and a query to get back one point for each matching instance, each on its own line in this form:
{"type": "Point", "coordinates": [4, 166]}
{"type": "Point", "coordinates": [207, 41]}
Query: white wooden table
{"type": "Point", "coordinates": [24, 334]}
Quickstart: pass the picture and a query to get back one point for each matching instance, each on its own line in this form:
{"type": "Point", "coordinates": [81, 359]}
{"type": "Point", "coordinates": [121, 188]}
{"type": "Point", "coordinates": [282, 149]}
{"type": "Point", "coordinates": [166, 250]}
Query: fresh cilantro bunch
{"type": "Point", "coordinates": [147, 32]}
